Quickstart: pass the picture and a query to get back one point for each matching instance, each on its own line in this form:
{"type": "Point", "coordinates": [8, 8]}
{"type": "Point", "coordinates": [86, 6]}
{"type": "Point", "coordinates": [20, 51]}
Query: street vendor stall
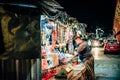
{"type": "Point", "coordinates": [55, 38]}
{"type": "Point", "coordinates": [36, 46]}
{"type": "Point", "coordinates": [20, 57]}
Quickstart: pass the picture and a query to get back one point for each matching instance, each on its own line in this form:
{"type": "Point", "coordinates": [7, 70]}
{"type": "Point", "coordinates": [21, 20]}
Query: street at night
{"type": "Point", "coordinates": [107, 66]}
{"type": "Point", "coordinates": [60, 40]}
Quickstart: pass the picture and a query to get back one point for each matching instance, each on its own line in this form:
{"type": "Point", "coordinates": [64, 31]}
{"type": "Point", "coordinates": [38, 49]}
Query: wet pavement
{"type": "Point", "coordinates": [107, 66]}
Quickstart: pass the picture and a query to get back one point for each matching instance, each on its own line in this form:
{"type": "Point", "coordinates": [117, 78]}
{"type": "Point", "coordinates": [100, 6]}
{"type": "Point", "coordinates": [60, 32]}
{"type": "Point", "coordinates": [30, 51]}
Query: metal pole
{"type": "Point", "coordinates": [40, 62]}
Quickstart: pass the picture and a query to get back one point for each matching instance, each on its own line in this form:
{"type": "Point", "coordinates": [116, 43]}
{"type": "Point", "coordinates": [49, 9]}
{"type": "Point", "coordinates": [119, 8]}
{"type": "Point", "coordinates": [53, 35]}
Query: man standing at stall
{"type": "Point", "coordinates": [84, 53]}
{"type": "Point", "coordinates": [83, 50]}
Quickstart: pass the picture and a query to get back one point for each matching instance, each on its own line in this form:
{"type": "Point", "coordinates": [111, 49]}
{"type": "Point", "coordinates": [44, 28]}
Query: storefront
{"type": "Point", "coordinates": [57, 50]}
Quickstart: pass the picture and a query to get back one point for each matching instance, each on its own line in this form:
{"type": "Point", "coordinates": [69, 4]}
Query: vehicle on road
{"type": "Point", "coordinates": [97, 43]}
{"type": "Point", "coordinates": [112, 46]}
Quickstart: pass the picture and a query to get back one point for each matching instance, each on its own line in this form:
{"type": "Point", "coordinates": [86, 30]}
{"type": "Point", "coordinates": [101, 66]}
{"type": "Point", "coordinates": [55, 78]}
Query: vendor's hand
{"type": "Point", "coordinates": [71, 59]}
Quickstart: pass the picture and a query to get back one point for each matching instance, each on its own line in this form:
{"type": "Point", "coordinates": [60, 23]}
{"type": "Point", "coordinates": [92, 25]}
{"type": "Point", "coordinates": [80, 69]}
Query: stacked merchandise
{"type": "Point", "coordinates": [44, 58]}
{"type": "Point", "coordinates": [49, 57]}
{"type": "Point", "coordinates": [54, 38]}
{"type": "Point", "coordinates": [49, 61]}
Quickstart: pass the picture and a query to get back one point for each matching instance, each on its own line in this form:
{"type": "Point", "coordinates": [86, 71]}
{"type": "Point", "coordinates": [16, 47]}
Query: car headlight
{"type": "Point", "coordinates": [96, 43]}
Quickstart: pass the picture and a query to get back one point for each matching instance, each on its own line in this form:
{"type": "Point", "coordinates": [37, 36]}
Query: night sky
{"type": "Point", "coordinates": [92, 12]}
{"type": "Point", "coordinates": [95, 13]}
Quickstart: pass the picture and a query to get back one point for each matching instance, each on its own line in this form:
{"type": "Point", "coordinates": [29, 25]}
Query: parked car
{"type": "Point", "coordinates": [112, 46]}
{"type": "Point", "coordinates": [97, 43]}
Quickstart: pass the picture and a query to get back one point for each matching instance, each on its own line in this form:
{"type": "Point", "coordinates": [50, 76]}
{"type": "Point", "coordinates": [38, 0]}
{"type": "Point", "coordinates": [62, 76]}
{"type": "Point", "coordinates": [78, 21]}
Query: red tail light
{"type": "Point", "coordinates": [107, 46]}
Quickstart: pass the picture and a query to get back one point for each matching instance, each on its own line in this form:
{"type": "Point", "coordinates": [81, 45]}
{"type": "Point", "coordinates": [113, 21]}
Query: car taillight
{"type": "Point", "coordinates": [117, 46]}
{"type": "Point", "coordinates": [107, 46]}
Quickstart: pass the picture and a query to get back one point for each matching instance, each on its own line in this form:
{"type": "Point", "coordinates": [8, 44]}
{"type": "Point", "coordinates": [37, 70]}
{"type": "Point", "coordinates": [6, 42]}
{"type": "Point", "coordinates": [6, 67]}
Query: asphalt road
{"type": "Point", "coordinates": [107, 66]}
